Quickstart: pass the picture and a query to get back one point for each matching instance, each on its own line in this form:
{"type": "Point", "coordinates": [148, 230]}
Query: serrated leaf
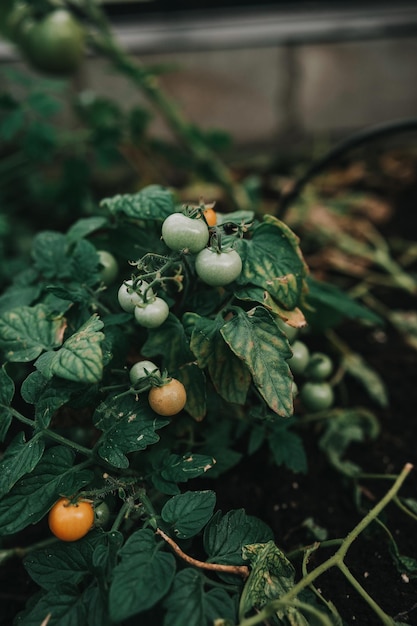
{"type": "Point", "coordinates": [27, 331]}
{"type": "Point", "coordinates": [6, 396]}
{"type": "Point", "coordinates": [193, 379]}
{"type": "Point", "coordinates": [345, 427]}
{"type": "Point", "coordinates": [80, 359]}
{"type": "Point", "coordinates": [34, 494]}
{"type": "Point", "coordinates": [84, 263]}
{"type": "Point", "coordinates": [50, 254]}
{"type": "Point", "coordinates": [151, 203]}
{"type": "Point", "coordinates": [67, 607]}
{"type": "Point", "coordinates": [225, 535]}
{"type": "Point", "coordinates": [189, 603]}
{"type": "Point", "coordinates": [180, 468]}
{"type": "Point", "coordinates": [170, 342]}
{"type": "Point", "coordinates": [254, 337]}
{"type": "Point", "coordinates": [20, 458]}
{"type": "Point", "coordinates": [47, 396]}
{"type": "Point", "coordinates": [187, 513]}
{"type": "Point", "coordinates": [142, 577]}
{"type": "Point", "coordinates": [85, 226]}
{"type": "Point", "coordinates": [271, 577]}
{"type": "Point", "coordinates": [287, 449]}
{"type": "Point", "coordinates": [273, 261]}
{"type": "Point", "coordinates": [128, 425]}
{"type": "Point", "coordinates": [359, 369]}
{"type": "Point", "coordinates": [63, 564]}
{"type": "Point", "coordinates": [230, 377]}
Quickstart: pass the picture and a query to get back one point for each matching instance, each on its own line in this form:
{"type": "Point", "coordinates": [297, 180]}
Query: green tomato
{"type": "Point", "coordinates": [109, 267]}
{"type": "Point", "coordinates": [184, 233]}
{"type": "Point", "coordinates": [290, 331]}
{"type": "Point", "coordinates": [218, 268]}
{"type": "Point", "coordinates": [101, 515]}
{"type": "Point", "coordinates": [152, 314]}
{"type": "Point", "coordinates": [319, 367]}
{"type": "Point", "coordinates": [317, 396]}
{"type": "Point", "coordinates": [141, 370]}
{"type": "Point", "coordinates": [54, 44]}
{"type": "Point", "coordinates": [129, 298]}
{"type": "Point", "coordinates": [300, 358]}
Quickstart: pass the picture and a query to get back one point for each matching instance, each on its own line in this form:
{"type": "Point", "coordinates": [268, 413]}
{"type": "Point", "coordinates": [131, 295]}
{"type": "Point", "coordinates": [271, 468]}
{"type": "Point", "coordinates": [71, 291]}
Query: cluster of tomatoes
{"type": "Point", "coordinates": [52, 42]}
{"type": "Point", "coordinates": [166, 395]}
{"type": "Point", "coordinates": [314, 369]}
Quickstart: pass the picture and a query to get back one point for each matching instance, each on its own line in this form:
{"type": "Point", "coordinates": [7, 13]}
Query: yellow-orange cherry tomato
{"type": "Point", "coordinates": [169, 399]}
{"type": "Point", "coordinates": [70, 521]}
{"type": "Point", "coordinates": [210, 216]}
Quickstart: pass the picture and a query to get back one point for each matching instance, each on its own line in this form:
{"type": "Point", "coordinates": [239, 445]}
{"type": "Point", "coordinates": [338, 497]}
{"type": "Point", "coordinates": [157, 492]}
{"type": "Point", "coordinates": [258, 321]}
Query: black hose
{"type": "Point", "coordinates": [362, 137]}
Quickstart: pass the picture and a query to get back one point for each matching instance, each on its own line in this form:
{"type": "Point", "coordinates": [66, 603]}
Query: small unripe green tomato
{"type": "Point", "coordinates": [317, 396]}
{"type": "Point", "coordinates": [153, 314]}
{"type": "Point", "coordinates": [300, 358]}
{"type": "Point", "coordinates": [290, 331]}
{"type": "Point", "coordinates": [129, 298]}
{"type": "Point", "coordinates": [319, 367]}
{"type": "Point", "coordinates": [109, 266]}
{"type": "Point", "coordinates": [141, 370]}
{"type": "Point", "coordinates": [185, 233]}
{"type": "Point", "coordinates": [101, 515]}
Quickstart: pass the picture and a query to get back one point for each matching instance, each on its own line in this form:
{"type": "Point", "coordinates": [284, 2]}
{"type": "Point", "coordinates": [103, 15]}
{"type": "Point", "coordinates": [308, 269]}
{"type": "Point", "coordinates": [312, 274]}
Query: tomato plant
{"type": "Point", "coordinates": [184, 233]}
{"type": "Point", "coordinates": [130, 295]}
{"type": "Point", "coordinates": [152, 314]}
{"type": "Point", "coordinates": [218, 268]}
{"type": "Point", "coordinates": [317, 396]}
{"type": "Point", "coordinates": [169, 398]}
{"type": "Point", "coordinates": [70, 521]}
{"type": "Point", "coordinates": [54, 44]}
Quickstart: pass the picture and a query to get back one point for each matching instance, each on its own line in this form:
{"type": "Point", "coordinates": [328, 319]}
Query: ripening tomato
{"type": "Point", "coordinates": [129, 298]}
{"type": "Point", "coordinates": [169, 399]}
{"type": "Point", "coordinates": [185, 233]}
{"type": "Point", "coordinates": [218, 268]}
{"type": "Point", "coordinates": [152, 314]}
{"type": "Point", "coordinates": [210, 216]}
{"type": "Point", "coordinates": [141, 370]}
{"type": "Point", "coordinates": [69, 521]}
{"type": "Point", "coordinates": [54, 44]}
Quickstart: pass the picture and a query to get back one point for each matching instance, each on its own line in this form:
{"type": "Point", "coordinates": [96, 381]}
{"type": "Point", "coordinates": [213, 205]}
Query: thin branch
{"type": "Point", "coordinates": [238, 570]}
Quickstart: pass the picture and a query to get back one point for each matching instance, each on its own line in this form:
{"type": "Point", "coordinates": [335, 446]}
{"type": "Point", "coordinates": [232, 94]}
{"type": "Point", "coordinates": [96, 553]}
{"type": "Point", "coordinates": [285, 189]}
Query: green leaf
{"type": "Point", "coordinates": [47, 396]}
{"type": "Point", "coordinates": [63, 564]}
{"type": "Point", "coordinates": [345, 427]}
{"type": "Point", "coordinates": [255, 338]}
{"type": "Point", "coordinates": [189, 603]}
{"type": "Point", "coordinates": [142, 578]}
{"type": "Point", "coordinates": [225, 535]}
{"type": "Point", "coordinates": [34, 494]}
{"type": "Point", "coordinates": [273, 261]}
{"type": "Point", "coordinates": [84, 263]}
{"type": "Point", "coordinates": [128, 425]}
{"type": "Point", "coordinates": [170, 342]}
{"type": "Point", "coordinates": [85, 226]}
{"type": "Point", "coordinates": [27, 331]}
{"type": "Point", "coordinates": [20, 458]}
{"type": "Point", "coordinates": [151, 203]}
{"type": "Point", "coordinates": [189, 512]}
{"type": "Point", "coordinates": [193, 379]}
{"type": "Point", "coordinates": [287, 449]}
{"type": "Point", "coordinates": [66, 607]}
{"type": "Point", "coordinates": [6, 397]}
{"type": "Point", "coordinates": [329, 305]}
{"type": "Point", "coordinates": [180, 468]}
{"type": "Point", "coordinates": [359, 369]}
{"type": "Point", "coordinates": [80, 359]}
{"type": "Point", "coordinates": [271, 577]}
{"type": "Point", "coordinates": [50, 253]}
{"type": "Point", "coordinates": [230, 377]}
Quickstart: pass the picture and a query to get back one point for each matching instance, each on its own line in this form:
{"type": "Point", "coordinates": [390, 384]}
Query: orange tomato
{"type": "Point", "coordinates": [70, 521]}
{"type": "Point", "coordinates": [169, 399]}
{"type": "Point", "coordinates": [210, 216]}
